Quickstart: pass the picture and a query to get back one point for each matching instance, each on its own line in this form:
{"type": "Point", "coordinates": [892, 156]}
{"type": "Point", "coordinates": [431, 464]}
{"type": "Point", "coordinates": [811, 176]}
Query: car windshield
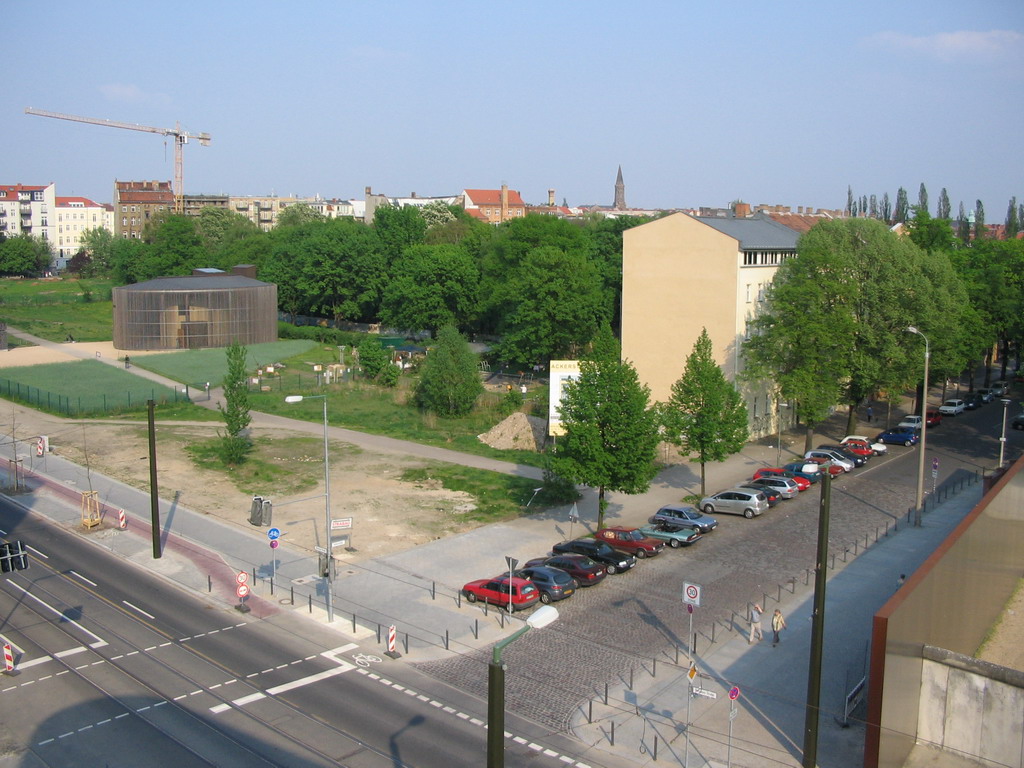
{"type": "Point", "coordinates": [604, 549]}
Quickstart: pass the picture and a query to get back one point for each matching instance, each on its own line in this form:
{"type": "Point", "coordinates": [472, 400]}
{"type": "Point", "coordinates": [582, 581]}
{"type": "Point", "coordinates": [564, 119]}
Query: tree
{"type": "Point", "coordinates": [24, 256]}
{"type": "Point", "coordinates": [963, 225]}
{"type": "Point", "coordinates": [873, 207]}
{"type": "Point", "coordinates": [219, 229]}
{"type": "Point", "coordinates": [902, 210]}
{"type": "Point", "coordinates": [235, 444]}
{"type": "Point", "coordinates": [611, 433]}
{"type": "Point", "coordinates": [922, 198]}
{"type": "Point", "coordinates": [979, 220]}
{"type": "Point", "coordinates": [1012, 222]}
{"type": "Point", "coordinates": [885, 214]}
{"type": "Point", "coordinates": [943, 210]}
{"type": "Point", "coordinates": [705, 415]}
{"type": "Point", "coordinates": [373, 358]}
{"type": "Point", "coordinates": [127, 260]}
{"type": "Point", "coordinates": [449, 378]}
{"type": "Point", "coordinates": [850, 205]}
{"type": "Point", "coordinates": [398, 229]}
{"type": "Point", "coordinates": [437, 214]}
{"type": "Point", "coordinates": [98, 243]}
{"type": "Point", "coordinates": [431, 286]}
{"type": "Point", "coordinates": [297, 214]}
{"type": "Point", "coordinates": [931, 234]}
{"type": "Point", "coordinates": [174, 248]}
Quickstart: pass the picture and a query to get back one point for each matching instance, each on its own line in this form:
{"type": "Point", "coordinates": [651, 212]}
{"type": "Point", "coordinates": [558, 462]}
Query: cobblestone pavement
{"type": "Point", "coordinates": [632, 621]}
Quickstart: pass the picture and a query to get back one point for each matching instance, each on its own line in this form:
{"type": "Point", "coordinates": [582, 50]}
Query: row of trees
{"type": "Point", "coordinates": [24, 256]}
{"type": "Point", "coordinates": [540, 284]}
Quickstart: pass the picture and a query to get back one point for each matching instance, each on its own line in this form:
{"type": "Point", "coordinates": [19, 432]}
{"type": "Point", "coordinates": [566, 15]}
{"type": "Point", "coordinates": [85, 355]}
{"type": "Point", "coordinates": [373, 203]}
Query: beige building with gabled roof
{"type": "Point", "coordinates": [682, 273]}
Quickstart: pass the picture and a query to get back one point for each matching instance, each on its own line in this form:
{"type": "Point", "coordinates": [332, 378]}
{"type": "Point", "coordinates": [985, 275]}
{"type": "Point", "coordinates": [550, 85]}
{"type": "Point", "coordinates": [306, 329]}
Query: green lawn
{"type": "Point", "coordinates": [54, 309]}
{"type": "Point", "coordinates": [195, 366]}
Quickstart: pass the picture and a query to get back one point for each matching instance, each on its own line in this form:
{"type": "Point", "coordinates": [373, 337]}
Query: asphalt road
{"type": "Point", "coordinates": [118, 667]}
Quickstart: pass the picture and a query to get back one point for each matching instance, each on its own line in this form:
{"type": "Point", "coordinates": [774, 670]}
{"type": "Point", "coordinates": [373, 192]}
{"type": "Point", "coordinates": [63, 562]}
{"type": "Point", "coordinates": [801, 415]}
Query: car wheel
{"type": "Point", "coordinates": [674, 543]}
{"type": "Point", "coordinates": [641, 553]}
{"type": "Point", "coordinates": [508, 608]}
{"type": "Point", "coordinates": [709, 508]}
{"type": "Point", "coordinates": [471, 597]}
{"type": "Point", "coordinates": [748, 513]}
{"type": "Point", "coordinates": [545, 597]}
{"type": "Point", "coordinates": [612, 569]}
{"type": "Point", "coordinates": [909, 443]}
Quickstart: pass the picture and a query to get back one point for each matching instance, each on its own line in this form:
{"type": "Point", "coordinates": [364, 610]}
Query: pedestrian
{"type": "Point", "coordinates": [871, 415]}
{"type": "Point", "coordinates": [127, 362]}
{"type": "Point", "coordinates": [900, 580]}
{"type": "Point", "coordinates": [755, 623]}
{"type": "Point", "coordinates": [778, 624]}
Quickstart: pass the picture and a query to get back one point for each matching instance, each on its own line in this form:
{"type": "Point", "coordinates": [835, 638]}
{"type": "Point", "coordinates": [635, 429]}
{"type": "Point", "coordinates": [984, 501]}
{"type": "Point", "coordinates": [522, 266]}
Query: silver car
{"type": "Point", "coordinates": [736, 501]}
{"type": "Point", "coordinates": [786, 487]}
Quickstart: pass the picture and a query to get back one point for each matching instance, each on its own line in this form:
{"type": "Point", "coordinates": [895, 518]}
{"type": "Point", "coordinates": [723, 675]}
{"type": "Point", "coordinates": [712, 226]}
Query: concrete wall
{"type": "Point", "coordinates": [949, 603]}
{"type": "Point", "coordinates": [971, 707]}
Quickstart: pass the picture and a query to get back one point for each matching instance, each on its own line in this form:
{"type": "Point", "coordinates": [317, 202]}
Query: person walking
{"type": "Point", "coordinates": [755, 623]}
{"type": "Point", "coordinates": [778, 624]}
{"type": "Point", "coordinates": [871, 415]}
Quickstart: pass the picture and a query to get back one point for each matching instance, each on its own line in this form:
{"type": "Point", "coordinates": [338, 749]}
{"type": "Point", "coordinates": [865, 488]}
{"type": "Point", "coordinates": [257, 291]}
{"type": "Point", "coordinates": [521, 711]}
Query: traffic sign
{"type": "Point", "coordinates": [242, 590]}
{"type": "Point", "coordinates": [734, 693]}
{"type": "Point", "coordinates": [274, 533]}
{"type": "Point", "coordinates": [705, 693]}
{"type": "Point", "coordinates": [692, 671]}
{"type": "Point", "coordinates": [935, 464]}
{"type": "Point", "coordinates": [274, 544]}
{"type": "Point", "coordinates": [321, 550]}
{"type": "Point", "coordinates": [242, 576]}
{"type": "Point", "coordinates": [691, 594]}
{"type": "Point", "coordinates": [733, 713]}
{"type": "Point", "coordinates": [341, 524]}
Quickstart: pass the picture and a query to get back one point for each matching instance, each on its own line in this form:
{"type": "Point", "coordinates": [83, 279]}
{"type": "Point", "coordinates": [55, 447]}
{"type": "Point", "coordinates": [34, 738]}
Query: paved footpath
{"type": "Point", "coordinates": [417, 591]}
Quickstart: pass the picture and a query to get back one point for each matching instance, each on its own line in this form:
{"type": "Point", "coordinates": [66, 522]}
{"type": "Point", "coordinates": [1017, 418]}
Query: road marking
{"type": "Point", "coordinates": [80, 576]}
{"type": "Point", "coordinates": [33, 549]}
{"type": "Point", "coordinates": [99, 641]}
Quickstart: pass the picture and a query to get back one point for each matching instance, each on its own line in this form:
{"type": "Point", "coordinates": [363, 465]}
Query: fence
{"type": "Point", "coordinates": [88, 404]}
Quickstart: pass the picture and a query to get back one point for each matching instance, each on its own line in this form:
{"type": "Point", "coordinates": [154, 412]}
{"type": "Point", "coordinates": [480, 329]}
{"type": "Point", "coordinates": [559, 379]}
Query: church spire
{"type": "Point", "coordinates": [620, 192]}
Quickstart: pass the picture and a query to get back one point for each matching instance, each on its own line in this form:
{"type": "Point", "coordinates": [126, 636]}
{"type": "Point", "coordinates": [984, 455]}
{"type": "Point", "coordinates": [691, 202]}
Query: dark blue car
{"type": "Point", "coordinates": [899, 436]}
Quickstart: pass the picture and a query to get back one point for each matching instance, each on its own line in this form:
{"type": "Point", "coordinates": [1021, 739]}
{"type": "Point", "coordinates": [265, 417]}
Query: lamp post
{"type": "Point", "coordinates": [496, 686]}
{"type": "Point", "coordinates": [1002, 438]}
{"type": "Point", "coordinates": [779, 405]}
{"type": "Point", "coordinates": [327, 502]}
{"type": "Point", "coordinates": [919, 500]}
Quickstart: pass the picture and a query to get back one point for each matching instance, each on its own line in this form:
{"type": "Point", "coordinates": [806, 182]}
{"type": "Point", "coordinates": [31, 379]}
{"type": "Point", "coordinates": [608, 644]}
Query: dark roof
{"type": "Point", "coordinates": [754, 233]}
{"type": "Point", "coordinates": [196, 283]}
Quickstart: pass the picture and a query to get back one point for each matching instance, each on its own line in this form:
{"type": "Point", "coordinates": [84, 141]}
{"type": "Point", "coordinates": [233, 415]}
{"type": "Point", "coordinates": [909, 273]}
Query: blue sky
{"type": "Point", "coordinates": [700, 103]}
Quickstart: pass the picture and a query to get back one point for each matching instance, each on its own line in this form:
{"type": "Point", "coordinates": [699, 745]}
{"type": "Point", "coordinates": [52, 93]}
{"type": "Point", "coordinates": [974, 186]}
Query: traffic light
{"type": "Point", "coordinates": [13, 557]}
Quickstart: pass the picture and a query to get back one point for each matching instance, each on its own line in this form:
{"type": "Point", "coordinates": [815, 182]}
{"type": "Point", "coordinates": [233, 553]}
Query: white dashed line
{"type": "Point", "coordinates": [80, 576]}
{"type": "Point", "coordinates": [30, 548]}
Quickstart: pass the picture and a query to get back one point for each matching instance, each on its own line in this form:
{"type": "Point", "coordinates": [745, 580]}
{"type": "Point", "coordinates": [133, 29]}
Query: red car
{"type": "Point", "coordinates": [933, 418]}
{"type": "Point", "coordinates": [826, 465]}
{"type": "Point", "coordinates": [801, 482]}
{"type": "Point", "coordinates": [630, 540]}
{"type": "Point", "coordinates": [496, 592]}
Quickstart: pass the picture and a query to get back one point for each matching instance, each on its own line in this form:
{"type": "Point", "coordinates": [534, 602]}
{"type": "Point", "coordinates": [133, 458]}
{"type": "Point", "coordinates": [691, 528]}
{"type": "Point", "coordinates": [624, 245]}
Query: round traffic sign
{"type": "Point", "coordinates": [242, 576]}
{"type": "Point", "coordinates": [274, 533]}
{"type": "Point", "coordinates": [242, 590]}
{"type": "Point", "coordinates": [734, 693]}
{"type": "Point", "coordinates": [274, 543]}
{"type": "Point", "coordinates": [692, 592]}
{"type": "Point", "coordinates": [935, 463]}
{"type": "Point", "coordinates": [689, 607]}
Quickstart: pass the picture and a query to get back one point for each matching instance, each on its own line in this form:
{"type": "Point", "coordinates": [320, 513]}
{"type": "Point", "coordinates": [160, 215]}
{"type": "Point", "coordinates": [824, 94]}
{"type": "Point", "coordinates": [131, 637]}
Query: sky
{"type": "Point", "coordinates": [701, 104]}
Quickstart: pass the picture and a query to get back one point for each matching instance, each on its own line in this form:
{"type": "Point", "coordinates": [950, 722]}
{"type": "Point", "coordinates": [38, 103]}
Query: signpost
{"type": "Point", "coordinates": [734, 693]}
{"type": "Point", "coordinates": [341, 524]}
{"type": "Point", "coordinates": [935, 474]}
{"type": "Point", "coordinates": [273, 534]}
{"type": "Point", "coordinates": [242, 590]}
{"type": "Point", "coordinates": [512, 563]}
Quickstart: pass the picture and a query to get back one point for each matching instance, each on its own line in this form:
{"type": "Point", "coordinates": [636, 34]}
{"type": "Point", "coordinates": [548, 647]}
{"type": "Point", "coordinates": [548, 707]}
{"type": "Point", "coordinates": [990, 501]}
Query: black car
{"type": "Point", "coordinates": [613, 560]}
{"type": "Point", "coordinates": [769, 493]}
{"type": "Point", "coordinates": [858, 461]}
{"type": "Point", "coordinates": [552, 583]}
{"type": "Point", "coordinates": [584, 570]}
{"type": "Point", "coordinates": [1018, 421]}
{"type": "Point", "coordinates": [971, 401]}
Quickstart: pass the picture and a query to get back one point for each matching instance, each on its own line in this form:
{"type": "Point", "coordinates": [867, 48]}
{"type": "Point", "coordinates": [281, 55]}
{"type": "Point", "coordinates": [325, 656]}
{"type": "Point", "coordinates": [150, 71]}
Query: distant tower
{"type": "Point", "coordinates": [620, 192]}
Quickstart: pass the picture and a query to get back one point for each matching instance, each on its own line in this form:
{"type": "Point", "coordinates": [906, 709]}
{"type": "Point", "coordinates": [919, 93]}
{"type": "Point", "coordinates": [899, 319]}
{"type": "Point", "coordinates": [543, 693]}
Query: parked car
{"type": "Point", "coordinates": [585, 571]}
{"type": "Point", "coordinates": [805, 468]}
{"type": "Point", "coordinates": [802, 483]}
{"type": "Point", "coordinates": [857, 449]}
{"type": "Point", "coordinates": [827, 465]}
{"type": "Point", "coordinates": [673, 535]}
{"type": "Point", "coordinates": [630, 540]}
{"type": "Point", "coordinates": [905, 437]}
{"type": "Point", "coordinates": [857, 459]}
{"type": "Point", "coordinates": [598, 551]}
{"type": "Point", "coordinates": [787, 486]}
{"type": "Point", "coordinates": [496, 591]}
{"type": "Point", "coordinates": [736, 501]}
{"type": "Point", "coordinates": [985, 395]}
{"type": "Point", "coordinates": [911, 421]}
{"type": "Point", "coordinates": [874, 445]}
{"type": "Point", "coordinates": [772, 495]}
{"type": "Point", "coordinates": [972, 401]}
{"type": "Point", "coordinates": [1000, 388]}
{"type": "Point", "coordinates": [1018, 421]}
{"type": "Point", "coordinates": [552, 583]}
{"type": "Point", "coordinates": [679, 514]}
{"type": "Point", "coordinates": [836, 458]}
{"type": "Point", "coordinates": [934, 418]}
{"type": "Point", "coordinates": [952, 408]}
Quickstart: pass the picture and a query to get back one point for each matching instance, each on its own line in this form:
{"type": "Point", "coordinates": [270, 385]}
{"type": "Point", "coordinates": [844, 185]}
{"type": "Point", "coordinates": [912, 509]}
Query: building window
{"type": "Point", "coordinates": [124, 209]}
{"type": "Point", "coordinates": [748, 292]}
{"type": "Point", "coordinates": [124, 221]}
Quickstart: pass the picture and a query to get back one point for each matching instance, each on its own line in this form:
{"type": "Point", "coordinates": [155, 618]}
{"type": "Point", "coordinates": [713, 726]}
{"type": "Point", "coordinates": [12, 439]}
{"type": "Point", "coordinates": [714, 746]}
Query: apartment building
{"type": "Point", "coordinates": [27, 209]}
{"type": "Point", "coordinates": [682, 273]}
{"type": "Point", "coordinates": [493, 205]}
{"type": "Point", "coordinates": [76, 215]}
{"type": "Point", "coordinates": [136, 202]}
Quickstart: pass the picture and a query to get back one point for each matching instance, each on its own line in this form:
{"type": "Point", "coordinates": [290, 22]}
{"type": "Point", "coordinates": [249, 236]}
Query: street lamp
{"type": "Point", "coordinates": [1002, 439]}
{"type": "Point", "coordinates": [327, 501]}
{"type": "Point", "coordinates": [919, 500]}
{"type": "Point", "coordinates": [779, 405]}
{"type": "Point", "coordinates": [496, 686]}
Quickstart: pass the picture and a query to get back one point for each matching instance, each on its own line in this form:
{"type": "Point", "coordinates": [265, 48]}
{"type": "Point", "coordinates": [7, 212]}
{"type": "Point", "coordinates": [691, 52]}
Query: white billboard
{"type": "Point", "coordinates": [561, 372]}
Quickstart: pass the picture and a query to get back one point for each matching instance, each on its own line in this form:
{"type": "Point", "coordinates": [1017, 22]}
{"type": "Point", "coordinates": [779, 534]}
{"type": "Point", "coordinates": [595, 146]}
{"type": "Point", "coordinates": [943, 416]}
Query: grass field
{"type": "Point", "coordinates": [55, 309]}
{"type": "Point", "coordinates": [82, 387]}
{"type": "Point", "coordinates": [195, 366]}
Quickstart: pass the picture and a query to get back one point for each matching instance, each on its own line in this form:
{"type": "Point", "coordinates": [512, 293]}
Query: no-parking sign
{"type": "Point", "coordinates": [691, 593]}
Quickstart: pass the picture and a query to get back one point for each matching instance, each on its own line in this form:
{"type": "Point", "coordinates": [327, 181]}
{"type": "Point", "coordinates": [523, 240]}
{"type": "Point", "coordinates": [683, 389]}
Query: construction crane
{"type": "Point", "coordinates": [180, 140]}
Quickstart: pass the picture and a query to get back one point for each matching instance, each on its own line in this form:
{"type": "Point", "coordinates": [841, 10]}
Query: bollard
{"type": "Point", "coordinates": [353, 622]}
{"type": "Point", "coordinates": [406, 643]}
{"type": "Point", "coordinates": [485, 607]}
{"type": "Point", "coordinates": [631, 678]}
{"type": "Point", "coordinates": [856, 547]}
{"type": "Point", "coordinates": [254, 574]}
{"type": "Point", "coordinates": [655, 755]}
{"type": "Point", "coordinates": [446, 640]}
{"type": "Point", "coordinates": [590, 711]}
{"type": "Point", "coordinates": [606, 694]}
{"type": "Point", "coordinates": [654, 667]}
{"type": "Point", "coordinates": [209, 583]}
{"type": "Point", "coordinates": [310, 603]}
{"type": "Point", "coordinates": [476, 629]}
{"type": "Point", "coordinates": [807, 576]}
{"type": "Point", "coordinates": [271, 586]}
{"type": "Point", "coordinates": [833, 566]}
{"type": "Point", "coordinates": [433, 590]}
{"type": "Point", "coordinates": [779, 598]}
{"type": "Point", "coordinates": [677, 655]}
{"type": "Point", "coordinates": [458, 599]}
{"type": "Point", "coordinates": [715, 624]}
{"type": "Point", "coordinates": [866, 538]}
{"type": "Point", "coordinates": [378, 634]}
{"type": "Point", "coordinates": [612, 742]}
{"type": "Point", "coordinates": [846, 551]}
{"type": "Point", "coordinates": [291, 599]}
